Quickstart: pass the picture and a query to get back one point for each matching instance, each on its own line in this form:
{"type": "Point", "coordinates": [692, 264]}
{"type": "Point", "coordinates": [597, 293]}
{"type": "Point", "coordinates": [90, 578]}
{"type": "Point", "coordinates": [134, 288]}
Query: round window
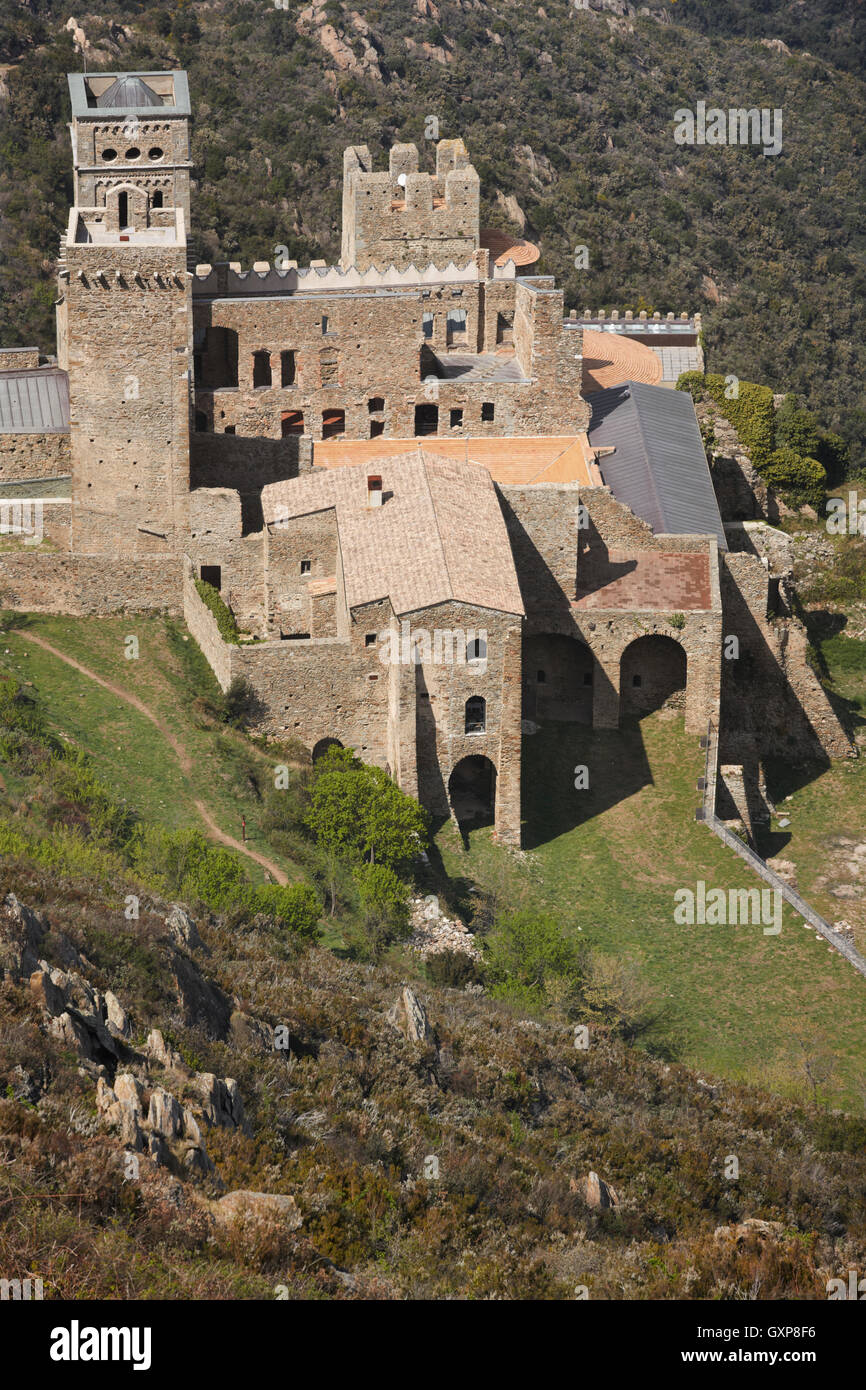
{"type": "Point", "coordinates": [109, 154]}
{"type": "Point", "coordinates": [134, 153]}
{"type": "Point", "coordinates": [155, 153]}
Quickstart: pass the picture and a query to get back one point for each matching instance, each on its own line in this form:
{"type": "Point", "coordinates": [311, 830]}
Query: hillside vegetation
{"type": "Point", "coordinates": [568, 115]}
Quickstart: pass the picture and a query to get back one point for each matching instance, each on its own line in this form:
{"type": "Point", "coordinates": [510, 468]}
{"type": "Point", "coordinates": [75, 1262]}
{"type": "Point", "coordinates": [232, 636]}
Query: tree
{"type": "Point", "coordinates": [360, 814]}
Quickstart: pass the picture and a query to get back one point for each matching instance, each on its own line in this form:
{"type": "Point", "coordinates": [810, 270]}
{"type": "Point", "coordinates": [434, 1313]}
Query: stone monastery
{"type": "Point", "coordinates": [440, 509]}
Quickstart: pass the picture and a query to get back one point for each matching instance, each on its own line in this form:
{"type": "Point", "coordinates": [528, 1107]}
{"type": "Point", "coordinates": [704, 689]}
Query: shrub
{"type": "Point", "coordinates": [452, 969]}
{"type": "Point", "coordinates": [751, 413]}
{"type": "Point", "coordinates": [796, 428]}
{"type": "Point", "coordinates": [225, 618]}
{"type": "Point", "coordinates": [295, 907]}
{"type": "Point", "coordinates": [385, 908]}
{"type": "Point", "coordinates": [800, 481]}
{"type": "Point", "coordinates": [531, 961]}
{"type": "Point", "coordinates": [181, 863]}
{"type": "Point", "coordinates": [240, 703]}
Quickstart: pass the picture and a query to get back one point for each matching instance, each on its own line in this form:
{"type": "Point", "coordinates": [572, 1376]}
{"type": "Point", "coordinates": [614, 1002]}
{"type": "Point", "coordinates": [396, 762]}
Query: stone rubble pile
{"type": "Point", "coordinates": [433, 932]}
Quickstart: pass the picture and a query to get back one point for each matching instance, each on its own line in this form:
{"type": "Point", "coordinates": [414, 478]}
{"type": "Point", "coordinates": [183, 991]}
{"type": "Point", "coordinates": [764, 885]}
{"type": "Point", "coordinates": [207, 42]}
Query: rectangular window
{"type": "Point", "coordinates": [212, 574]}
{"type": "Point", "coordinates": [457, 419]}
{"type": "Point", "coordinates": [370, 639]}
{"type": "Point", "coordinates": [287, 368]}
{"type": "Point", "coordinates": [306, 566]}
{"type": "Point", "coordinates": [427, 325]}
{"type": "Point", "coordinates": [488, 410]}
{"type": "Point", "coordinates": [261, 370]}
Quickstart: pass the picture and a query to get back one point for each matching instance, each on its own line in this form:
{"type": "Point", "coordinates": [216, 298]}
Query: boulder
{"type": "Point", "coordinates": [164, 1115]}
{"type": "Point", "coordinates": [117, 1020]}
{"type": "Point", "coordinates": [127, 1088]}
{"type": "Point", "coordinates": [258, 1207]}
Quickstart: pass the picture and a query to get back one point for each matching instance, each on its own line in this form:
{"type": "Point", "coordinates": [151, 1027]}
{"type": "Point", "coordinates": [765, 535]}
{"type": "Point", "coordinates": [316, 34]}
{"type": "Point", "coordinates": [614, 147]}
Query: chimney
{"type": "Point", "coordinates": [374, 490]}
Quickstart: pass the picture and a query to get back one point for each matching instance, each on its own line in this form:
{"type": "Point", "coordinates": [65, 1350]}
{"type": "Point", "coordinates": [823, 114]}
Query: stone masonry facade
{"type": "Point", "coordinates": [419, 607]}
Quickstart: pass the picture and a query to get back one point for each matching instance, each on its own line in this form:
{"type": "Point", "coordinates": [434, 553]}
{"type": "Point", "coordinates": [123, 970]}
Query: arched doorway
{"type": "Point", "coordinates": [558, 676]}
{"type": "Point", "coordinates": [320, 748]}
{"type": "Point", "coordinates": [472, 791]}
{"type": "Point", "coordinates": [652, 673]}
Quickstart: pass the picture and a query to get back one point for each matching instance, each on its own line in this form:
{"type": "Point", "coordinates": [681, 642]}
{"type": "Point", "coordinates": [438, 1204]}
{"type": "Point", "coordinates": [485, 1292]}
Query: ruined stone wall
{"type": "Point", "coordinates": [129, 329]}
{"type": "Point", "coordinates": [34, 456]}
{"type": "Point", "coordinates": [772, 700]}
{"type": "Point", "coordinates": [18, 359]}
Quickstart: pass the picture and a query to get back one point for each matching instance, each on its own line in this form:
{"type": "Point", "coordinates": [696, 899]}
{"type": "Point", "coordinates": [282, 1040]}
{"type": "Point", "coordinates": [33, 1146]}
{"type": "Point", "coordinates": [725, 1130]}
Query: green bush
{"type": "Point", "coordinates": [181, 863]}
{"type": "Point", "coordinates": [751, 413]}
{"type": "Point", "coordinates": [385, 908]}
{"type": "Point", "coordinates": [530, 961]}
{"type": "Point", "coordinates": [799, 481]}
{"type": "Point", "coordinates": [240, 703]}
{"type": "Point", "coordinates": [225, 618]}
{"type": "Point", "coordinates": [452, 969]}
{"type": "Point", "coordinates": [797, 428]}
{"type": "Point", "coordinates": [295, 908]}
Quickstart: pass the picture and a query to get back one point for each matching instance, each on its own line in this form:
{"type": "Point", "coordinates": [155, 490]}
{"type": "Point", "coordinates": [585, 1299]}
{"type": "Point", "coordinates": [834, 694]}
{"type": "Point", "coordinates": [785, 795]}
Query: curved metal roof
{"type": "Point", "coordinates": [128, 91]}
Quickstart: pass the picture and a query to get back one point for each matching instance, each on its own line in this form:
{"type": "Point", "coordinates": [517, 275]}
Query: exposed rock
{"type": "Point", "coordinates": [599, 1193]}
{"type": "Point", "coordinates": [221, 1100]}
{"type": "Point", "coordinates": [21, 935]}
{"type": "Point", "coordinates": [410, 1017]}
{"type": "Point", "coordinates": [128, 1088]}
{"type": "Point", "coordinates": [432, 931]}
{"type": "Point", "coordinates": [157, 1048]}
{"type": "Point", "coordinates": [117, 1020]}
{"type": "Point", "coordinates": [204, 1004]}
{"type": "Point", "coordinates": [258, 1207]}
{"type": "Point", "coordinates": [165, 1116]}
{"type": "Point", "coordinates": [182, 929]}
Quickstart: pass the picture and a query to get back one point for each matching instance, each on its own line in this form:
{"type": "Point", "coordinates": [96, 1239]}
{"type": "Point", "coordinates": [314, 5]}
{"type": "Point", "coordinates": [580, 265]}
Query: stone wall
{"type": "Point", "coordinates": [128, 311]}
{"type": "Point", "coordinates": [41, 581]}
{"type": "Point", "coordinates": [25, 456]}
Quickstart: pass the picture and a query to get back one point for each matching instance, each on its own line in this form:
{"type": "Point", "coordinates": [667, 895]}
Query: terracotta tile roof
{"type": "Point", "coordinates": [503, 247]}
{"type": "Point", "coordinates": [439, 535]}
{"type": "Point", "coordinates": [672, 581]}
{"type": "Point", "coordinates": [610, 359]}
{"type": "Point", "coordinates": [510, 461]}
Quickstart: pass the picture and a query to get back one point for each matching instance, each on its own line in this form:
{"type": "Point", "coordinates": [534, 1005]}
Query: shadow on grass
{"type": "Point", "coordinates": [615, 763]}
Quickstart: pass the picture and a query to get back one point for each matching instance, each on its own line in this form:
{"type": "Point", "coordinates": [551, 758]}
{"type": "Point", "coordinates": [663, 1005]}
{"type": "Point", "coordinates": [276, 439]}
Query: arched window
{"type": "Point", "coordinates": [156, 200]}
{"type": "Point", "coordinates": [476, 649]}
{"type": "Point", "coordinates": [476, 715]}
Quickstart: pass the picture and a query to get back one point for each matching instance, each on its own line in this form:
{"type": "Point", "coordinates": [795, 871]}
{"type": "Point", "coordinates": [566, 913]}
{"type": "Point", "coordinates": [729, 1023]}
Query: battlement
{"type": "Point", "coordinates": [226, 280]}
{"type": "Point", "coordinates": [403, 216]}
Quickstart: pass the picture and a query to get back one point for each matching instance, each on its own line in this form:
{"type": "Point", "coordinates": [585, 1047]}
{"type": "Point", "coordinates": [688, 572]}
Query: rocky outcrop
{"type": "Point", "coordinates": [182, 929]}
{"type": "Point", "coordinates": [409, 1017]}
{"type": "Point", "coordinates": [599, 1194]}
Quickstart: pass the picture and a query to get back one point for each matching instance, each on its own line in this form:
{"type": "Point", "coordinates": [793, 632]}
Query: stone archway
{"type": "Point", "coordinates": [320, 748]}
{"type": "Point", "coordinates": [558, 678]}
{"type": "Point", "coordinates": [472, 791]}
{"type": "Point", "coordinates": [652, 672]}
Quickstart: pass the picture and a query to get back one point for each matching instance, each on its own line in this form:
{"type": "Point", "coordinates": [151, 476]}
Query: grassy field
{"type": "Point", "coordinates": [608, 860]}
{"type": "Point", "coordinates": [129, 752]}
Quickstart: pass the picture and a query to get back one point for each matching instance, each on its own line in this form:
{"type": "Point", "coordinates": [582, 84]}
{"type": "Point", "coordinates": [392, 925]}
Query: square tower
{"type": "Point", "coordinates": [403, 217]}
{"type": "Point", "coordinates": [130, 131]}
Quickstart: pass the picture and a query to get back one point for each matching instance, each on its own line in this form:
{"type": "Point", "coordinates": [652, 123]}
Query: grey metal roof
{"type": "Point", "coordinates": [659, 468]}
{"type": "Point", "coordinates": [34, 402]}
{"type": "Point", "coordinates": [128, 91]}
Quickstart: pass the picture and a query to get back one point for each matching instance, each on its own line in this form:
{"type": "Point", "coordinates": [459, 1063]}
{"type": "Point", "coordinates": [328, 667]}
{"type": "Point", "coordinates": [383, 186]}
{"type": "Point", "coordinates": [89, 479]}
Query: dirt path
{"type": "Point", "coordinates": [174, 743]}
